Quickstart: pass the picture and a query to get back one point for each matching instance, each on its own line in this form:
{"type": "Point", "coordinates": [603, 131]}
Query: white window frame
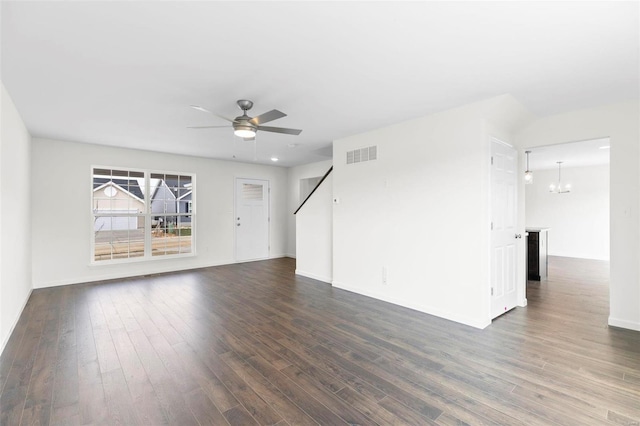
{"type": "Point", "coordinates": [147, 215]}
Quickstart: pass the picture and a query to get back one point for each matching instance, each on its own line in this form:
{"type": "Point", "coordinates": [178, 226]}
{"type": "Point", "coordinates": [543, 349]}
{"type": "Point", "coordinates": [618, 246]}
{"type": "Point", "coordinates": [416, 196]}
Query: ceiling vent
{"type": "Point", "coordinates": [362, 154]}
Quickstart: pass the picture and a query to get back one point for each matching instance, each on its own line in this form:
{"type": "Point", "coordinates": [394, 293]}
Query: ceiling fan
{"type": "Point", "coordinates": [245, 126]}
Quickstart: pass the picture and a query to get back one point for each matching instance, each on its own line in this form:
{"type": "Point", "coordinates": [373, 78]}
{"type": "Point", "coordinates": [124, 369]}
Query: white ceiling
{"type": "Point", "coordinates": [125, 73]}
{"type": "Point", "coordinates": [572, 154]}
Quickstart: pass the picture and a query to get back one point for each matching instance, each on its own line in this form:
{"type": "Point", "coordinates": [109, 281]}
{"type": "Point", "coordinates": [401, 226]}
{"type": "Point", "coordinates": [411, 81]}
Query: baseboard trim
{"type": "Point", "coordinates": [620, 323]}
{"type": "Point", "coordinates": [15, 322]}
{"type": "Point", "coordinates": [262, 259]}
{"type": "Point", "coordinates": [472, 322]}
{"type": "Point", "coordinates": [314, 276]}
{"type": "Point", "coordinates": [120, 275]}
{"type": "Point", "coordinates": [278, 256]}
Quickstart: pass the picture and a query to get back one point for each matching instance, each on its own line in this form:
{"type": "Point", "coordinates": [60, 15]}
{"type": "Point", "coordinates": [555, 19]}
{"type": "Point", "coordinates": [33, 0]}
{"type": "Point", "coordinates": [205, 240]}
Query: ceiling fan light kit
{"type": "Point", "coordinates": [244, 132]}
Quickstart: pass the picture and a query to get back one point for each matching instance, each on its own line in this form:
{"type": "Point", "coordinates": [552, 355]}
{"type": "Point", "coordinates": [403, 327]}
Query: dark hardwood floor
{"type": "Point", "coordinates": [253, 344]}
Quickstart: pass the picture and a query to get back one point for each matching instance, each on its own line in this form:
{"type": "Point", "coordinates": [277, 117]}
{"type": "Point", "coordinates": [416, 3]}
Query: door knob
{"type": "Point", "coordinates": [518, 235]}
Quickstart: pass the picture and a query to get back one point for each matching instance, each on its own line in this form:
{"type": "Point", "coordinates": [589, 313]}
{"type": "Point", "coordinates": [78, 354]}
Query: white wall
{"type": "Point", "coordinates": [293, 196]}
{"type": "Point", "coordinates": [421, 210]}
{"type": "Point", "coordinates": [61, 177]}
{"type": "Point", "coordinates": [579, 220]}
{"type": "Point", "coordinates": [314, 234]}
{"type": "Point", "coordinates": [621, 123]}
{"type": "Point", "coordinates": [15, 216]}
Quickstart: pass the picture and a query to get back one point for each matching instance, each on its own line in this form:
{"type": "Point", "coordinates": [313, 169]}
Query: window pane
{"type": "Point", "coordinates": [102, 172]}
{"type": "Point", "coordinates": [172, 182]}
{"type": "Point", "coordinates": [184, 206]}
{"type": "Point", "coordinates": [251, 191]}
{"type": "Point", "coordinates": [103, 238]}
{"type": "Point", "coordinates": [185, 239]}
{"type": "Point", "coordinates": [102, 251]}
{"type": "Point", "coordinates": [120, 245]}
{"type": "Point", "coordinates": [161, 237]}
{"type": "Point", "coordinates": [136, 239]}
{"type": "Point", "coordinates": [185, 182]}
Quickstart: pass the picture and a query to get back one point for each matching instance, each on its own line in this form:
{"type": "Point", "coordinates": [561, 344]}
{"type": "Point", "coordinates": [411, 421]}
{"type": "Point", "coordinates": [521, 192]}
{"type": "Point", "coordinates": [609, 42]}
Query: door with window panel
{"type": "Point", "coordinates": [252, 219]}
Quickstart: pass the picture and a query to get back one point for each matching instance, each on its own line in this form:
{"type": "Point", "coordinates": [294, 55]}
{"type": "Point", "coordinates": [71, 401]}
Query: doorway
{"type": "Point", "coordinates": [578, 215]}
{"type": "Point", "coordinates": [252, 219]}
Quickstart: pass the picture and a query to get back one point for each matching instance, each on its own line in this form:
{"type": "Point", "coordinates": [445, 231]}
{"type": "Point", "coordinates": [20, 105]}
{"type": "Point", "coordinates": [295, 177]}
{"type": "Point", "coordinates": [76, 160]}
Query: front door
{"type": "Point", "coordinates": [503, 227]}
{"type": "Point", "coordinates": [252, 219]}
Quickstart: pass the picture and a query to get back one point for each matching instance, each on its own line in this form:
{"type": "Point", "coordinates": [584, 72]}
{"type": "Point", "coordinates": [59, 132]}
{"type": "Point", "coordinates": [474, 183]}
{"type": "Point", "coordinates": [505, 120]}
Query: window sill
{"type": "Point", "coordinates": [141, 259]}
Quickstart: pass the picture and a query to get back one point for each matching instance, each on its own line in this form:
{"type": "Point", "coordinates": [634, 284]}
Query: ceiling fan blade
{"type": "Point", "coordinates": [207, 127]}
{"type": "Point", "coordinates": [280, 130]}
{"type": "Point", "coordinates": [274, 114]}
{"type": "Point", "coordinates": [199, 108]}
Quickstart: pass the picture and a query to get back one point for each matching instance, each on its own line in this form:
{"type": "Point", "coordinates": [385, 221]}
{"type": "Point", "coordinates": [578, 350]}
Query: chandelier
{"type": "Point", "coordinates": [559, 188]}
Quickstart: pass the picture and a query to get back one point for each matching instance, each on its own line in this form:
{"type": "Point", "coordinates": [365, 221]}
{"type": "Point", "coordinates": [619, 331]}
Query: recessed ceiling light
{"type": "Point", "coordinates": [274, 159]}
{"type": "Point", "coordinates": [606, 147]}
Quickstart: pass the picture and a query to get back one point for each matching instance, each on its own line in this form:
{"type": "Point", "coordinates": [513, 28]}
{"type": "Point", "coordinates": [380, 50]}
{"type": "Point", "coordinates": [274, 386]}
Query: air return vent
{"type": "Point", "coordinates": [362, 154]}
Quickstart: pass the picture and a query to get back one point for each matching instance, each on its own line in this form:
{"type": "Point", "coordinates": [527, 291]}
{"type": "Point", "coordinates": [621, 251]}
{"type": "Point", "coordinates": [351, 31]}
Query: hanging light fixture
{"type": "Point", "coordinates": [559, 188]}
{"type": "Point", "coordinates": [528, 174]}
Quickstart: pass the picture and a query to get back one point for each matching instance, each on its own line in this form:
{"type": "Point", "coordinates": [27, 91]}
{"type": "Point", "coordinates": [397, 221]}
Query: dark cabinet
{"type": "Point", "coordinates": [537, 253]}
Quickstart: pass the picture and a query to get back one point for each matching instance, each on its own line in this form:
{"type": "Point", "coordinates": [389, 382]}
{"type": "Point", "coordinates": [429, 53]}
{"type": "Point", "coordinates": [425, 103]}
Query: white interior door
{"type": "Point", "coordinates": [503, 227]}
{"type": "Point", "coordinates": [252, 219]}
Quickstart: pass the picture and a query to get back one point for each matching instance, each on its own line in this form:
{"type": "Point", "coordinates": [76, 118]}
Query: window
{"type": "Point", "coordinates": [252, 192]}
{"type": "Point", "coordinates": [141, 214]}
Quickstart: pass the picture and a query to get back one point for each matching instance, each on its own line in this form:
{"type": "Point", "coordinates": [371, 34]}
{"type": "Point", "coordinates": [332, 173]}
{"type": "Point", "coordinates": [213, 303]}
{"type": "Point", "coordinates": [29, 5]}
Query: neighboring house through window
{"type": "Point", "coordinates": [141, 214]}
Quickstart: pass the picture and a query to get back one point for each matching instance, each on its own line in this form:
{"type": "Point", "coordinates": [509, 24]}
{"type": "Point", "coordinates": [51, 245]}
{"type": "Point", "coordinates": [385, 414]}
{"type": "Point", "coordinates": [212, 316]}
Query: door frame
{"type": "Point", "coordinates": [235, 215]}
{"type": "Point", "coordinates": [522, 210]}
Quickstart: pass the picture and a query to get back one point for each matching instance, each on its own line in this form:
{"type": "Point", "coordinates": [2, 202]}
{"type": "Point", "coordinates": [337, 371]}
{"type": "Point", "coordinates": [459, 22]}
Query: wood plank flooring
{"type": "Point", "coordinates": [254, 344]}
